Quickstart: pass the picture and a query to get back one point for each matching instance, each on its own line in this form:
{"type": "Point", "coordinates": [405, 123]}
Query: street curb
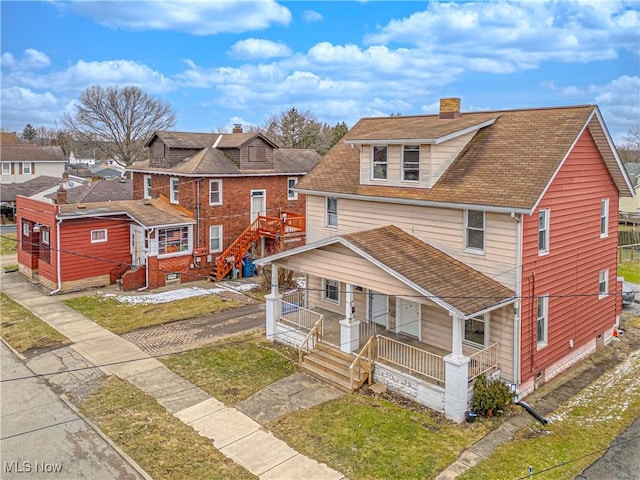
{"type": "Point", "coordinates": [13, 350]}
{"type": "Point", "coordinates": [106, 438]}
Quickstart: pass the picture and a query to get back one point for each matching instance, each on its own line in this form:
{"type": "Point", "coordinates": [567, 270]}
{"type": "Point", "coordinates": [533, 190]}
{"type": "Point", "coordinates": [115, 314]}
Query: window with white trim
{"type": "Point", "coordinates": [215, 192]}
{"type": "Point", "coordinates": [331, 290]}
{"type": "Point", "coordinates": [6, 168]}
{"type": "Point", "coordinates": [291, 183]}
{"type": "Point", "coordinates": [332, 212]}
{"type": "Point", "coordinates": [542, 320]}
{"type": "Point", "coordinates": [379, 162]}
{"type": "Point", "coordinates": [474, 236]}
{"type": "Point", "coordinates": [26, 168]}
{"type": "Point", "coordinates": [411, 163]}
{"type": "Point", "coordinates": [215, 238]}
{"type": "Point", "coordinates": [476, 331]}
{"type": "Point", "coordinates": [26, 228]}
{"type": "Point", "coordinates": [98, 236]}
{"type": "Point", "coordinates": [173, 240]}
{"type": "Point", "coordinates": [604, 218]}
{"type": "Point", "coordinates": [603, 283]}
{"type": "Point", "coordinates": [45, 246]}
{"type": "Point", "coordinates": [174, 184]}
{"type": "Point", "coordinates": [147, 186]}
{"type": "Point", "coordinates": [543, 231]}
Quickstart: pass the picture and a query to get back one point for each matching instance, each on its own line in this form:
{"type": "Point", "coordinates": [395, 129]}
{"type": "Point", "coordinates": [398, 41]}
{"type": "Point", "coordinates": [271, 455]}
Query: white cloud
{"type": "Point", "coordinates": [31, 60]}
{"type": "Point", "coordinates": [255, 48]}
{"type": "Point", "coordinates": [22, 105]}
{"type": "Point", "coordinates": [187, 16]}
{"type": "Point", "coordinates": [311, 16]}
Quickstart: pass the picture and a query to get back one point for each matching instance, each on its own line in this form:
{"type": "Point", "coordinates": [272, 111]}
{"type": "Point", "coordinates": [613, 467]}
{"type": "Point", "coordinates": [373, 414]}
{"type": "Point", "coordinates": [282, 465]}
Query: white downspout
{"type": "Point", "coordinates": [146, 259]}
{"type": "Point", "coordinates": [58, 250]}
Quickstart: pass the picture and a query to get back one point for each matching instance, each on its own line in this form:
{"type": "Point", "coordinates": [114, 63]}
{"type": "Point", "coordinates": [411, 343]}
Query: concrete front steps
{"type": "Point", "coordinates": [331, 365]}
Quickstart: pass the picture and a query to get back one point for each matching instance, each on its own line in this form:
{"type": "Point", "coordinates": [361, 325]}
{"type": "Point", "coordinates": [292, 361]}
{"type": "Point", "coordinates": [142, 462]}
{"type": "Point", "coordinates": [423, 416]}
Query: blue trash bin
{"type": "Point", "coordinates": [248, 268]}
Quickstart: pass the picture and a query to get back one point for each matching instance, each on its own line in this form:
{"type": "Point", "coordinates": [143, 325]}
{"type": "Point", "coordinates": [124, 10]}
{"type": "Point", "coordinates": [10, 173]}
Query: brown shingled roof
{"type": "Point", "coordinates": [507, 164]}
{"type": "Point", "coordinates": [445, 278]}
{"type": "Point", "coordinates": [24, 153]}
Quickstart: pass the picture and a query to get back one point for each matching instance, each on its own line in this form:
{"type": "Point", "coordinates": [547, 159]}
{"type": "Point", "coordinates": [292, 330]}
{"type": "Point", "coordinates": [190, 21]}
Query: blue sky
{"type": "Point", "coordinates": [219, 63]}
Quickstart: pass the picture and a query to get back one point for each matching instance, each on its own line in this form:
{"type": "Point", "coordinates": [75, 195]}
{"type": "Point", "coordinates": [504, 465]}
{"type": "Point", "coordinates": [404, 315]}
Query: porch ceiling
{"type": "Point", "coordinates": [409, 264]}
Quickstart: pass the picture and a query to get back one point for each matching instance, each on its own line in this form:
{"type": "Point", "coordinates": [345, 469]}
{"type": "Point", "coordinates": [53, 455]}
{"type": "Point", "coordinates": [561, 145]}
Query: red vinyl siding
{"type": "Point", "coordinates": [569, 273]}
{"type": "Point", "coordinates": [44, 214]}
{"type": "Point", "coordinates": [81, 258]}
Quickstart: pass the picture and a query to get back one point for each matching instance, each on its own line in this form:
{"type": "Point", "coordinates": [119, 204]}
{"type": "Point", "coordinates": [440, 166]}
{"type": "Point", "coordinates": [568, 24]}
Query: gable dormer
{"type": "Point", "coordinates": [413, 151]}
{"type": "Point", "coordinates": [166, 149]}
{"type": "Point", "coordinates": [249, 151]}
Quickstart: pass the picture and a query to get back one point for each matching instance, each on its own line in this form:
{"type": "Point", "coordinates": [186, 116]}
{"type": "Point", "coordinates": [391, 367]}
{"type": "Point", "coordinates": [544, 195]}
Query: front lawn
{"type": "Point", "coordinates": [231, 370]}
{"type": "Point", "coordinates": [24, 331]}
{"type": "Point", "coordinates": [162, 445]}
{"type": "Point", "coordinates": [122, 317]}
{"type": "Point", "coordinates": [8, 243]}
{"type": "Point", "coordinates": [630, 271]}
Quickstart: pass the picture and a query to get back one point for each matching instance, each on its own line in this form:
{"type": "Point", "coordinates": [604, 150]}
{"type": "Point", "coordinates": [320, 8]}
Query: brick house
{"type": "Point", "coordinates": [444, 247]}
{"type": "Point", "coordinates": [237, 186]}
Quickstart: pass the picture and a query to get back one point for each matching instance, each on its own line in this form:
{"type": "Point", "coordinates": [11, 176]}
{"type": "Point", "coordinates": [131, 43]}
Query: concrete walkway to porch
{"type": "Point", "coordinates": [234, 433]}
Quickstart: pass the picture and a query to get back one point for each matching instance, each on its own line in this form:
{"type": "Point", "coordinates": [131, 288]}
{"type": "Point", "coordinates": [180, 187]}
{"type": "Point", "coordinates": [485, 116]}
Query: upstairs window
{"type": "Point", "coordinates": [147, 186]}
{"type": "Point", "coordinates": [174, 187]}
{"type": "Point", "coordinates": [6, 168]}
{"type": "Point", "coordinates": [543, 231]}
{"type": "Point", "coordinates": [411, 163]}
{"type": "Point", "coordinates": [291, 183]}
{"type": "Point", "coordinates": [215, 192]}
{"type": "Point", "coordinates": [332, 212]}
{"type": "Point", "coordinates": [474, 238]}
{"type": "Point", "coordinates": [26, 168]}
{"type": "Point", "coordinates": [604, 218]}
{"type": "Point", "coordinates": [379, 155]}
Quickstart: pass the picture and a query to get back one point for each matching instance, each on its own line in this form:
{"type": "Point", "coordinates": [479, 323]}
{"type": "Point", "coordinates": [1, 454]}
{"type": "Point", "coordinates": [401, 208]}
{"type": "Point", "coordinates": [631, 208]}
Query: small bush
{"type": "Point", "coordinates": [490, 396]}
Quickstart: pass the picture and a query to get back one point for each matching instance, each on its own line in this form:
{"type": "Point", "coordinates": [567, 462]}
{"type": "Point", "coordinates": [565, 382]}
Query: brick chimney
{"type": "Point", "coordinates": [237, 128]}
{"type": "Point", "coordinates": [449, 108]}
{"type": "Point", "coordinates": [61, 195]}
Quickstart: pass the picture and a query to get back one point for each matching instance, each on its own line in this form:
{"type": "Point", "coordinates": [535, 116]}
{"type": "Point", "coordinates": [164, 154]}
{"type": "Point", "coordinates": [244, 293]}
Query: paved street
{"type": "Point", "coordinates": [42, 438]}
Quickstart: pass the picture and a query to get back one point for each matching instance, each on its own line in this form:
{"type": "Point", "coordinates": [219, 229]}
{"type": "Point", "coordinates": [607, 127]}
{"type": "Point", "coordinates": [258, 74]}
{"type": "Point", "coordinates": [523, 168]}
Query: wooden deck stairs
{"type": "Point", "coordinates": [329, 364]}
{"type": "Point", "coordinates": [288, 226]}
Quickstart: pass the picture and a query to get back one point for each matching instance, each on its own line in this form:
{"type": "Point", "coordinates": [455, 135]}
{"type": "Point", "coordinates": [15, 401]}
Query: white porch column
{"type": "Point", "coordinates": [272, 305]}
{"type": "Point", "coordinates": [456, 386]}
{"type": "Point", "coordinates": [349, 327]}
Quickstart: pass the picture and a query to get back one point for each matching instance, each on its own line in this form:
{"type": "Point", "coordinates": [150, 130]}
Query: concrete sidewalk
{"type": "Point", "coordinates": [232, 432]}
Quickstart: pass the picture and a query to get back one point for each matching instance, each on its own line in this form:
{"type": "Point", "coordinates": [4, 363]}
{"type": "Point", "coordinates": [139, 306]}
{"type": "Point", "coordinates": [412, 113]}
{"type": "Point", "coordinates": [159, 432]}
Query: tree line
{"type": "Point", "coordinates": [117, 122]}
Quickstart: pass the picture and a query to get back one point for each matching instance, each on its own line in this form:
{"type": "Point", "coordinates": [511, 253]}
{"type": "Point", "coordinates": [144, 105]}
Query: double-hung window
{"type": "Point", "coordinates": [379, 167]}
{"type": "Point", "coordinates": [543, 231]}
{"type": "Point", "coordinates": [175, 188]}
{"type": "Point", "coordinates": [542, 321]}
{"type": "Point", "coordinates": [604, 218]}
{"type": "Point", "coordinates": [215, 192]}
{"type": "Point", "coordinates": [215, 238]}
{"type": "Point", "coordinates": [474, 237]}
{"type": "Point", "coordinates": [147, 186]}
{"type": "Point", "coordinates": [45, 245]}
{"type": "Point", "coordinates": [603, 283]}
{"type": "Point", "coordinates": [476, 331]}
{"type": "Point", "coordinates": [26, 168]}
{"type": "Point", "coordinates": [291, 183]}
{"type": "Point", "coordinates": [331, 290]}
{"type": "Point", "coordinates": [332, 212]}
{"type": "Point", "coordinates": [6, 168]}
{"type": "Point", "coordinates": [411, 163]}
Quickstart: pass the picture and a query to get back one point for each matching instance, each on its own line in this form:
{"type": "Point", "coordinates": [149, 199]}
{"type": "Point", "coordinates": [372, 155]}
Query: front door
{"type": "Point", "coordinates": [408, 317]}
{"type": "Point", "coordinates": [378, 308]}
{"type": "Point", "coordinates": [137, 246]}
{"type": "Point", "coordinates": [258, 204]}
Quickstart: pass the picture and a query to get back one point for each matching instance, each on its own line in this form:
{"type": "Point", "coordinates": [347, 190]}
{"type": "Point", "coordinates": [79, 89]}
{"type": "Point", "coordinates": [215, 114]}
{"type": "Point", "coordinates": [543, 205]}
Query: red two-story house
{"type": "Point", "coordinates": [443, 247]}
{"type": "Point", "coordinates": [239, 188]}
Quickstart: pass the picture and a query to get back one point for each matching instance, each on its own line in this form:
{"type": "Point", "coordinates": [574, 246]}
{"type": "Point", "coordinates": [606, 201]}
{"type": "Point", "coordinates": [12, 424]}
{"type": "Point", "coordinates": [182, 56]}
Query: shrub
{"type": "Point", "coordinates": [490, 396]}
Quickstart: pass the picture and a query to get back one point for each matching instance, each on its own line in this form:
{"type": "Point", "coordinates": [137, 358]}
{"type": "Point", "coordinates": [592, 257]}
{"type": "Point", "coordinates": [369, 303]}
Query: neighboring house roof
{"type": "Point", "coordinates": [8, 138]}
{"type": "Point", "coordinates": [33, 153]}
{"type": "Point", "coordinates": [149, 213]}
{"type": "Point", "coordinates": [100, 191]}
{"type": "Point", "coordinates": [506, 165]}
{"type": "Point", "coordinates": [105, 172]}
{"type": "Point", "coordinates": [31, 187]}
{"type": "Point", "coordinates": [446, 281]}
{"type": "Point", "coordinates": [193, 140]}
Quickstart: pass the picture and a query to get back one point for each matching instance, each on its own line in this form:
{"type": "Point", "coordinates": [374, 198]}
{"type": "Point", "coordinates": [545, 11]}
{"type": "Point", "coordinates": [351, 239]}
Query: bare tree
{"type": "Point", "coordinates": [630, 149]}
{"type": "Point", "coordinates": [294, 129]}
{"type": "Point", "coordinates": [118, 122]}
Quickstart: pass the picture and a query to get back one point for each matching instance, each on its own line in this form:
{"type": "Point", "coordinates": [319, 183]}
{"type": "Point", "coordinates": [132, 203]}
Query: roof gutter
{"type": "Point", "coordinates": [420, 203]}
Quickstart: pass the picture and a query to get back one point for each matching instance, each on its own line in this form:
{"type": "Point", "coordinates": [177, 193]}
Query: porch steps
{"type": "Point", "coordinates": [330, 365]}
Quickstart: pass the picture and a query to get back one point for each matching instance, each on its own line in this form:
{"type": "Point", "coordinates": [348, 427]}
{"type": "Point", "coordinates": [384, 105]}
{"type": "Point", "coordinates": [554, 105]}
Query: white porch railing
{"type": "Point", "coordinates": [297, 316]}
{"type": "Point", "coordinates": [413, 359]}
{"type": "Point", "coordinates": [483, 361]}
{"type": "Point", "coordinates": [361, 368]}
{"type": "Point", "coordinates": [296, 298]}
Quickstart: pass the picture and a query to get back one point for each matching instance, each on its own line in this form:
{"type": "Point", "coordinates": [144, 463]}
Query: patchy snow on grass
{"type": "Point", "coordinates": [606, 398]}
{"type": "Point", "coordinates": [163, 297]}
